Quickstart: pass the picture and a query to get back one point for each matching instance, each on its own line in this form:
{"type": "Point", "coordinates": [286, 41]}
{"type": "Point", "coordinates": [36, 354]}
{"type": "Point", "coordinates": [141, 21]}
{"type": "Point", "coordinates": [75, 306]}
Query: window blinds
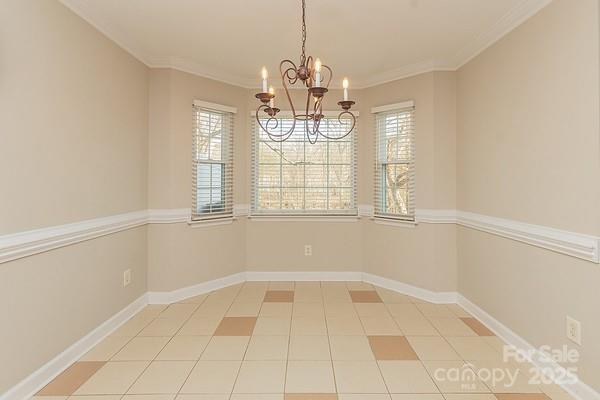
{"type": "Point", "coordinates": [395, 163]}
{"type": "Point", "coordinates": [212, 155]}
{"type": "Point", "coordinates": [296, 177]}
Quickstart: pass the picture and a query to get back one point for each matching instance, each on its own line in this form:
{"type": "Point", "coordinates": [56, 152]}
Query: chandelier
{"type": "Point", "coordinates": [313, 75]}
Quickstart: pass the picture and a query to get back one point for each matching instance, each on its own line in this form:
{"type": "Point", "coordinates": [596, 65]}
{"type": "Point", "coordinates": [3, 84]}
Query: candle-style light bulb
{"type": "Point", "coordinates": [264, 79]}
{"type": "Point", "coordinates": [345, 86]}
{"type": "Point", "coordinates": [317, 72]}
{"type": "Point", "coordinates": [272, 100]}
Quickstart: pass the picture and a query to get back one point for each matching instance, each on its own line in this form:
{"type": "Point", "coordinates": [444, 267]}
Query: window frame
{"type": "Point", "coordinates": [303, 213]}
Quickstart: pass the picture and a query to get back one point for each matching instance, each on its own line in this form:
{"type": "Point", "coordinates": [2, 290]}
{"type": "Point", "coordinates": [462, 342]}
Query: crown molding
{"type": "Point", "coordinates": [504, 25]}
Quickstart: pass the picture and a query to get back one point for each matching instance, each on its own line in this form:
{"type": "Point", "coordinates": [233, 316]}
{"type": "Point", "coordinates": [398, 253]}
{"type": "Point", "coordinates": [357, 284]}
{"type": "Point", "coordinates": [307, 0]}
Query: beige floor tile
{"type": "Point", "coordinates": [311, 396]}
{"type": "Point", "coordinates": [521, 396]}
{"type": "Point", "coordinates": [344, 325]}
{"type": "Point", "coordinates": [182, 348]}
{"type": "Point", "coordinates": [350, 348]}
{"type": "Point", "coordinates": [391, 348]}
{"type": "Point", "coordinates": [371, 309]}
{"type": "Point", "coordinates": [226, 348]}
{"type": "Point", "coordinates": [308, 293]}
{"type": "Point", "coordinates": [477, 327]}
{"type": "Point", "coordinates": [279, 296]}
{"type": "Point", "coordinates": [107, 348]}
{"type": "Point", "coordinates": [451, 326]}
{"type": "Point", "coordinates": [555, 392]}
{"type": "Point", "coordinates": [365, 296]}
{"type": "Point", "coordinates": [469, 396]}
{"type": "Point", "coordinates": [281, 285]}
{"type": "Point", "coordinates": [359, 286]}
{"type": "Point", "coordinates": [272, 326]}
{"type": "Point", "coordinates": [131, 327]}
{"type": "Point", "coordinates": [309, 377]}
{"type": "Point", "coordinates": [212, 377]}
{"type": "Point", "coordinates": [200, 326]}
{"type": "Point", "coordinates": [358, 377]}
{"type": "Point", "coordinates": [458, 311]}
{"type": "Point", "coordinates": [142, 348]}
{"type": "Point", "coordinates": [162, 377]}
{"type": "Point", "coordinates": [241, 396]}
{"type": "Point", "coordinates": [113, 378]}
{"type": "Point", "coordinates": [435, 310]}
{"type": "Point", "coordinates": [495, 342]}
{"type": "Point", "coordinates": [416, 326]}
{"type": "Point", "coordinates": [309, 348]}
{"type": "Point", "coordinates": [244, 309]}
{"type": "Point", "coordinates": [340, 295]}
{"type": "Point", "coordinates": [308, 310]}
{"type": "Point", "coordinates": [364, 396]}
{"type": "Point", "coordinates": [473, 348]}
{"type": "Point", "coordinates": [68, 381]}
{"type": "Point", "coordinates": [309, 326]}
{"type": "Point", "coordinates": [340, 310]}
{"type": "Point", "coordinates": [417, 397]}
{"type": "Point", "coordinates": [236, 326]}
{"type": "Point", "coordinates": [380, 325]}
{"type": "Point", "coordinates": [101, 397]}
{"type": "Point", "coordinates": [162, 327]}
{"type": "Point", "coordinates": [432, 348]}
{"type": "Point", "coordinates": [151, 311]}
{"type": "Point", "coordinates": [202, 397]}
{"type": "Point", "coordinates": [178, 311]}
{"type": "Point", "coordinates": [514, 377]}
{"type": "Point", "coordinates": [267, 348]}
{"type": "Point", "coordinates": [195, 299]}
{"type": "Point", "coordinates": [407, 377]}
{"type": "Point", "coordinates": [391, 297]}
{"type": "Point", "coordinates": [212, 310]}
{"type": "Point", "coordinates": [404, 310]}
{"type": "Point", "coordinates": [56, 397]}
{"type": "Point", "coordinates": [276, 310]}
{"type": "Point", "coordinates": [261, 377]}
{"type": "Point", "coordinates": [251, 296]}
{"type": "Point", "coordinates": [455, 377]}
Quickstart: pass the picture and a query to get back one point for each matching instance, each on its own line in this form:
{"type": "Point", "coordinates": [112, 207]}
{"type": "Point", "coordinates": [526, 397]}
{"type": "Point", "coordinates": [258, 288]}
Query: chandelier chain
{"type": "Point", "coordinates": [303, 56]}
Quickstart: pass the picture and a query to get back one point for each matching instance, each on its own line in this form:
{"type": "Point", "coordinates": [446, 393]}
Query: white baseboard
{"type": "Point", "coordinates": [37, 380]}
{"type": "Point", "coordinates": [579, 390]}
{"type": "Point", "coordinates": [410, 290]}
{"type": "Point", "coordinates": [195, 290]}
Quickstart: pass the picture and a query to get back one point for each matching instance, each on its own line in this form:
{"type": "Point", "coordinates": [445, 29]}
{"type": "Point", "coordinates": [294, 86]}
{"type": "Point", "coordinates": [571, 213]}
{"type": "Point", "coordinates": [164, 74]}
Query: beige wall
{"type": "Point", "coordinates": [73, 146]}
{"type": "Point", "coordinates": [528, 150]}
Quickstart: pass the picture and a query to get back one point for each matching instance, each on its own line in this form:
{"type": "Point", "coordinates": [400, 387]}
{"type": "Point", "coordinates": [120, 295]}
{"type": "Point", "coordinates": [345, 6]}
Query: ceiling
{"type": "Point", "coordinates": [370, 41]}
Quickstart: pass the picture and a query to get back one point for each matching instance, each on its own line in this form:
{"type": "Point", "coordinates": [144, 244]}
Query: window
{"type": "Point", "coordinates": [296, 177]}
{"type": "Point", "coordinates": [212, 155]}
{"type": "Point", "coordinates": [395, 161]}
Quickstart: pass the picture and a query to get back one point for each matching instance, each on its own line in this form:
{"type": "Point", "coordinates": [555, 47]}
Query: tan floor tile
{"type": "Point", "coordinates": [309, 348]}
{"type": "Point", "coordinates": [358, 377]}
{"type": "Point", "coordinates": [242, 396]}
{"type": "Point", "coordinates": [391, 297]}
{"type": "Point", "coordinates": [113, 378]}
{"type": "Point", "coordinates": [371, 309]}
{"type": "Point", "coordinates": [339, 295]}
{"type": "Point", "coordinates": [308, 326]}
{"type": "Point", "coordinates": [469, 396]}
{"type": "Point", "coordinates": [473, 348]}
{"type": "Point", "coordinates": [243, 309]}
{"type": "Point", "coordinates": [178, 311]}
{"type": "Point", "coordinates": [107, 348]}
{"type": "Point", "coordinates": [435, 310]}
{"type": "Point", "coordinates": [407, 377]}
{"type": "Point", "coordinates": [365, 296]}
{"type": "Point", "coordinates": [404, 310]}
{"type": "Point", "coordinates": [308, 310]}
{"type": "Point", "coordinates": [477, 327]}
{"type": "Point", "coordinates": [272, 326]}
{"type": "Point", "coordinates": [68, 381]}
{"type": "Point", "coordinates": [311, 396]}
{"type": "Point", "coordinates": [417, 397]}
{"type": "Point", "coordinates": [281, 285]}
{"type": "Point", "coordinates": [380, 325]}
{"type": "Point", "coordinates": [276, 310]}
{"type": "Point", "coordinates": [162, 377]}
{"type": "Point", "coordinates": [212, 377]}
{"type": "Point", "coordinates": [54, 398]}
{"type": "Point", "coordinates": [555, 392]}
{"type": "Point", "coordinates": [455, 377]}
{"type": "Point", "coordinates": [309, 377]}
{"type": "Point", "coordinates": [131, 327]}
{"type": "Point", "coordinates": [144, 397]}
{"type": "Point", "coordinates": [212, 310]}
{"type": "Point", "coordinates": [236, 326]}
{"type": "Point", "coordinates": [521, 396]}
{"type": "Point", "coordinates": [182, 348]}
{"type": "Point", "coordinates": [416, 326]}
{"type": "Point", "coordinates": [100, 397]}
{"type": "Point", "coordinates": [226, 348]}
{"type": "Point", "coordinates": [195, 299]}
{"type": "Point", "coordinates": [141, 348]}
{"type": "Point", "coordinates": [432, 348]}
{"type": "Point", "coordinates": [200, 326]}
{"type": "Point", "coordinates": [308, 293]}
{"type": "Point", "coordinates": [359, 286]}
{"type": "Point", "coordinates": [452, 326]}
{"type": "Point", "coordinates": [364, 396]}
{"type": "Point", "coordinates": [392, 348]}
{"type": "Point", "coordinates": [344, 325]}
{"type": "Point", "coordinates": [202, 397]}
{"type": "Point", "coordinates": [340, 310]}
{"type": "Point", "coordinates": [261, 377]}
{"type": "Point", "coordinates": [458, 311]}
{"type": "Point", "coordinates": [279, 296]}
{"type": "Point", "coordinates": [264, 348]}
{"type": "Point", "coordinates": [162, 327]}
{"type": "Point", "coordinates": [350, 348]}
{"type": "Point", "coordinates": [251, 296]}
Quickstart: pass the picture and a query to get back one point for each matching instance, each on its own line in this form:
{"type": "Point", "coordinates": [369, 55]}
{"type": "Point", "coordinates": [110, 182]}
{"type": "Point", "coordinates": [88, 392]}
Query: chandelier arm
{"type": "Point", "coordinates": [330, 74]}
{"type": "Point", "coordinates": [265, 127]}
{"type": "Point", "coordinates": [339, 118]}
{"type": "Point", "coordinates": [285, 75]}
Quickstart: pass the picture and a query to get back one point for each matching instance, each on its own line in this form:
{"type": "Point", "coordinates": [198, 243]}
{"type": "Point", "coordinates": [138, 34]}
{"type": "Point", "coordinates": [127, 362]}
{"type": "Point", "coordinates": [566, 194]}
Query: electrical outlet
{"type": "Point", "coordinates": [308, 250]}
{"type": "Point", "coordinates": [574, 330]}
{"type": "Point", "coordinates": [126, 277]}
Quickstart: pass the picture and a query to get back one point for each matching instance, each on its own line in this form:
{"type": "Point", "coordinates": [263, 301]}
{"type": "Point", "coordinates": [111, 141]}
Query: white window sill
{"type": "Point", "coordinates": [304, 218]}
{"type": "Point", "coordinates": [395, 222]}
{"type": "Point", "coordinates": [205, 223]}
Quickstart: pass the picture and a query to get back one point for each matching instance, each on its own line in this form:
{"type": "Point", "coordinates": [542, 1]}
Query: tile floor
{"type": "Point", "coordinates": [297, 341]}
